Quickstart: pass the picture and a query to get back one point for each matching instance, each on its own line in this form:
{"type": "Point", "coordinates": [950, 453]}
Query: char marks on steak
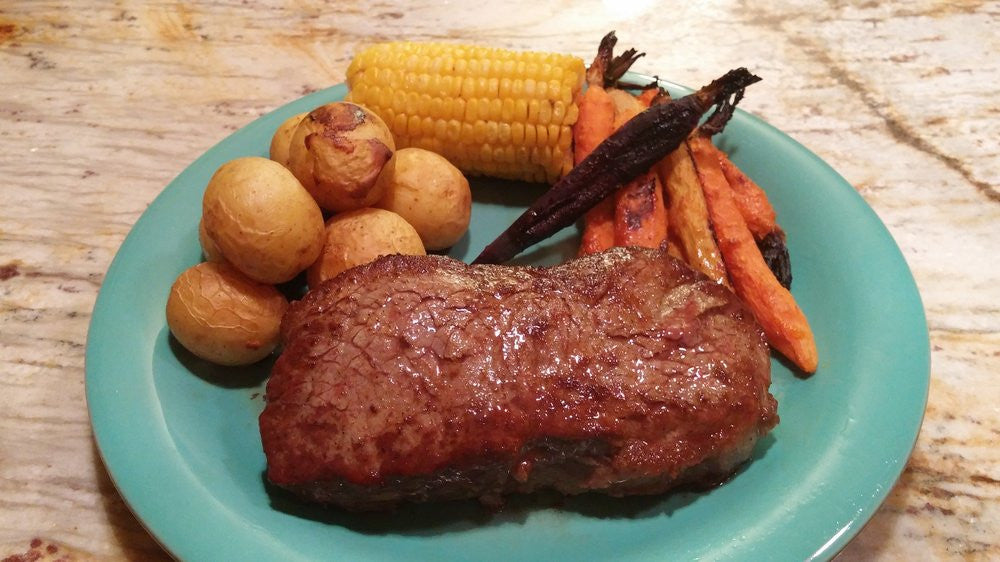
{"type": "Point", "coordinates": [418, 378]}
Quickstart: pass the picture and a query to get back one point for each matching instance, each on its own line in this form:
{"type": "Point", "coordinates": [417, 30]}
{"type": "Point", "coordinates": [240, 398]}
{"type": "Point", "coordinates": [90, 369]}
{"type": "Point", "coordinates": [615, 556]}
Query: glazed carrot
{"type": "Point", "coordinates": [626, 106]}
{"type": "Point", "coordinates": [688, 215]}
{"type": "Point", "coordinates": [648, 95]}
{"type": "Point", "coordinates": [673, 249]}
{"type": "Point", "coordinates": [599, 228]}
{"type": "Point", "coordinates": [640, 216]}
{"type": "Point", "coordinates": [635, 215]}
{"type": "Point", "coordinates": [784, 324]}
{"type": "Point", "coordinates": [750, 198]}
{"type": "Point", "coordinates": [594, 123]}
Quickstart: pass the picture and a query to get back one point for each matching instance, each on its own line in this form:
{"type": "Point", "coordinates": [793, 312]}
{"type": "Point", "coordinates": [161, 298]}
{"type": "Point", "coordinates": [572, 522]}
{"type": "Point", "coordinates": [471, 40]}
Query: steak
{"type": "Point", "coordinates": [417, 378]}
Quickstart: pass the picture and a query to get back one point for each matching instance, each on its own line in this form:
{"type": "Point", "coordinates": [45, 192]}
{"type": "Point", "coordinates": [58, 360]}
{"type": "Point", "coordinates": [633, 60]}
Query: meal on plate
{"type": "Point", "coordinates": [640, 365]}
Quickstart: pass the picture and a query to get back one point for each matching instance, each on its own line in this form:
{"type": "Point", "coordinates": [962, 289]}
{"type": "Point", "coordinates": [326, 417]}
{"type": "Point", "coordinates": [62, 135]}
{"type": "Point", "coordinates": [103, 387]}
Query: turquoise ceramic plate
{"type": "Point", "coordinates": [181, 443]}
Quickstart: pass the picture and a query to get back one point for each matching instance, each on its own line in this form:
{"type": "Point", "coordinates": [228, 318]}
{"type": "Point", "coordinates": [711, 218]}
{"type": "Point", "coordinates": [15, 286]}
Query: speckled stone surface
{"type": "Point", "coordinates": [102, 104]}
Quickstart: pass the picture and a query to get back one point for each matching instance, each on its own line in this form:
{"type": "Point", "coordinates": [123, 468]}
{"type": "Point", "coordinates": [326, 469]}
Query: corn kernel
{"type": "Point", "coordinates": [544, 112]}
{"type": "Point", "coordinates": [529, 88]}
{"type": "Point", "coordinates": [503, 133]}
{"type": "Point", "coordinates": [554, 131]}
{"type": "Point", "coordinates": [479, 132]}
{"type": "Point", "coordinates": [533, 111]}
{"type": "Point", "coordinates": [542, 133]}
{"type": "Point", "coordinates": [521, 110]}
{"type": "Point", "coordinates": [454, 128]}
{"type": "Point", "coordinates": [565, 138]}
{"type": "Point", "coordinates": [504, 88]}
{"type": "Point", "coordinates": [529, 135]}
{"type": "Point", "coordinates": [399, 124]}
{"type": "Point", "coordinates": [507, 111]}
{"type": "Point", "coordinates": [572, 114]}
{"type": "Point", "coordinates": [517, 133]}
{"type": "Point", "coordinates": [496, 108]}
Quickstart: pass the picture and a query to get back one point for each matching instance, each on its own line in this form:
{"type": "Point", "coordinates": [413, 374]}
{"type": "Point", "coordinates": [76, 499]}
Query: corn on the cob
{"type": "Point", "coordinates": [489, 111]}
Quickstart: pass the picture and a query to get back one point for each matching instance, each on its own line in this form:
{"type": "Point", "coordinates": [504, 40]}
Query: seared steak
{"type": "Point", "coordinates": [423, 378]}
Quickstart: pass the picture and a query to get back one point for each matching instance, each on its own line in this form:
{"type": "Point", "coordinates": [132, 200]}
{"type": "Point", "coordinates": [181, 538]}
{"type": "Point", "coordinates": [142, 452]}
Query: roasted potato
{"type": "Point", "coordinates": [337, 152]}
{"type": "Point", "coordinates": [208, 247]}
{"type": "Point", "coordinates": [222, 316]}
{"type": "Point", "coordinates": [430, 193]}
{"type": "Point", "coordinates": [283, 137]}
{"type": "Point", "coordinates": [358, 237]}
{"type": "Point", "coordinates": [262, 220]}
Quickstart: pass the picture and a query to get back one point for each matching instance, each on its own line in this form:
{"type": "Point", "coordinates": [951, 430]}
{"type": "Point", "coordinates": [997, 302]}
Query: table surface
{"type": "Point", "coordinates": [101, 106]}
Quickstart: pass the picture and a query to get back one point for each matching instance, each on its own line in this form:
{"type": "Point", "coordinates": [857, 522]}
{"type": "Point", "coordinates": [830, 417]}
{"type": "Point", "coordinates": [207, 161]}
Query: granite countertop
{"type": "Point", "coordinates": [102, 105]}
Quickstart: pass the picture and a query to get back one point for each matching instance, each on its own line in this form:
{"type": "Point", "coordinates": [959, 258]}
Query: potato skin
{"type": "Point", "coordinates": [262, 220]}
{"type": "Point", "coordinates": [208, 247]}
{"type": "Point", "coordinates": [220, 315]}
{"type": "Point", "coordinates": [430, 193]}
{"type": "Point", "coordinates": [283, 137]}
{"type": "Point", "coordinates": [337, 152]}
{"type": "Point", "coordinates": [357, 237]}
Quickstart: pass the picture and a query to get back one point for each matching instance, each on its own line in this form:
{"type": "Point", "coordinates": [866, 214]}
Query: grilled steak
{"type": "Point", "coordinates": [423, 378]}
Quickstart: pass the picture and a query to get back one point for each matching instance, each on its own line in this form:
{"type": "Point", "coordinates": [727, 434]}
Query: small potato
{"type": "Point", "coordinates": [358, 237]}
{"type": "Point", "coordinates": [208, 247]}
{"type": "Point", "coordinates": [282, 137]}
{"type": "Point", "coordinates": [337, 152]}
{"type": "Point", "coordinates": [430, 193]}
{"type": "Point", "coordinates": [262, 220]}
{"type": "Point", "coordinates": [220, 315]}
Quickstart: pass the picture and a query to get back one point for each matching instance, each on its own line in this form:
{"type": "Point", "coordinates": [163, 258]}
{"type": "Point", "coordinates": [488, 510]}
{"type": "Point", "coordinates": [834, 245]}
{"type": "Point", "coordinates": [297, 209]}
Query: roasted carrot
{"type": "Point", "coordinates": [784, 323]}
{"type": "Point", "coordinates": [626, 106]}
{"type": "Point", "coordinates": [673, 249]}
{"type": "Point", "coordinates": [599, 228]}
{"type": "Point", "coordinates": [750, 198]}
{"type": "Point", "coordinates": [648, 95]}
{"type": "Point", "coordinates": [594, 123]}
{"type": "Point", "coordinates": [635, 215]}
{"type": "Point", "coordinates": [640, 217]}
{"type": "Point", "coordinates": [688, 215]}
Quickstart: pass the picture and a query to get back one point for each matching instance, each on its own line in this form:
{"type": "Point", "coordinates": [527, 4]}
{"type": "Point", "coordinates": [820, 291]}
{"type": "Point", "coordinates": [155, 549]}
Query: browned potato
{"type": "Point", "coordinates": [430, 193]}
{"type": "Point", "coordinates": [360, 236]}
{"type": "Point", "coordinates": [337, 152]}
{"type": "Point", "coordinates": [282, 137]}
{"type": "Point", "coordinates": [262, 220]}
{"type": "Point", "coordinates": [220, 315]}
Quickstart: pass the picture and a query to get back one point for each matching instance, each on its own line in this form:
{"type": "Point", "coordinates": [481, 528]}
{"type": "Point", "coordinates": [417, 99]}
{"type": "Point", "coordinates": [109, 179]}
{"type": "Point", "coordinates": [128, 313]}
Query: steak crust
{"type": "Point", "coordinates": [417, 378]}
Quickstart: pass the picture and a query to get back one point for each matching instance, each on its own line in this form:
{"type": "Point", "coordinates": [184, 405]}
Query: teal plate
{"type": "Point", "coordinates": [179, 437]}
